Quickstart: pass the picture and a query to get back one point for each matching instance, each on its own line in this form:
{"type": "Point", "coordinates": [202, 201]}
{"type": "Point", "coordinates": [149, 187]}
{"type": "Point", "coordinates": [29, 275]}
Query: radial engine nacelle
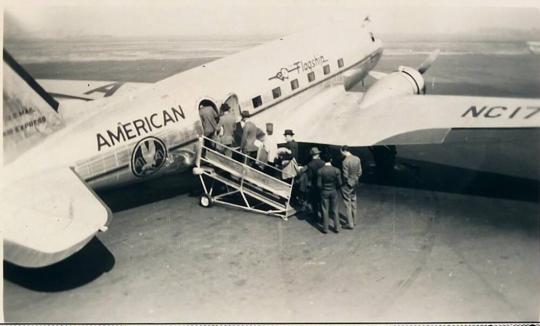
{"type": "Point", "coordinates": [405, 81]}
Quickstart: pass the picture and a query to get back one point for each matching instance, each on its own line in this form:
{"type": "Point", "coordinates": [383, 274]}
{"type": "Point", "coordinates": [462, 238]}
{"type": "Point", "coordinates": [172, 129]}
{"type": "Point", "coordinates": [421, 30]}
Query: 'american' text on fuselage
{"type": "Point", "coordinates": [133, 129]}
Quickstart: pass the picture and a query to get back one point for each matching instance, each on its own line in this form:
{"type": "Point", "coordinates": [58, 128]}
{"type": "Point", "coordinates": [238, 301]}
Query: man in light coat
{"type": "Point", "coordinates": [225, 127]}
{"type": "Point", "coordinates": [351, 171]}
{"type": "Point", "coordinates": [249, 135]}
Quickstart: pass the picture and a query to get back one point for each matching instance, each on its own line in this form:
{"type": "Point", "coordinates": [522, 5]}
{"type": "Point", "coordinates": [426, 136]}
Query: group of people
{"type": "Point", "coordinates": [325, 182]}
{"type": "Point", "coordinates": [223, 128]}
{"type": "Point", "coordinates": [319, 183]}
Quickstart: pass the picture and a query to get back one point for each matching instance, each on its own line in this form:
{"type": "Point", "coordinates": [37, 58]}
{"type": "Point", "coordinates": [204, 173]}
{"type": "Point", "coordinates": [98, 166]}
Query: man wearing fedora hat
{"type": "Point", "coordinates": [288, 155]}
{"type": "Point", "coordinates": [311, 170]}
{"type": "Point", "coordinates": [290, 150]}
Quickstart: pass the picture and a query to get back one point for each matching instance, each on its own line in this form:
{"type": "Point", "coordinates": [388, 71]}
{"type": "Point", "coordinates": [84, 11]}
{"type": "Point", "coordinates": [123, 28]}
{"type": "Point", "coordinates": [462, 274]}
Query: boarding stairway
{"type": "Point", "coordinates": [241, 181]}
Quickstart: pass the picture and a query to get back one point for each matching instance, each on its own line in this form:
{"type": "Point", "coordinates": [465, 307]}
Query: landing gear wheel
{"type": "Point", "coordinates": [205, 201]}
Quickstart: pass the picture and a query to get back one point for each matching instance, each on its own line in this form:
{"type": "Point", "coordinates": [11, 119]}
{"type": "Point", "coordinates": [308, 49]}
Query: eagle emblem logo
{"type": "Point", "coordinates": [148, 156]}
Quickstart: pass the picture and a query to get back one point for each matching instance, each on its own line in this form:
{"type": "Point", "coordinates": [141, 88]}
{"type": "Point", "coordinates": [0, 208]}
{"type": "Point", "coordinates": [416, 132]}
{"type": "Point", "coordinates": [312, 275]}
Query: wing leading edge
{"type": "Point", "coordinates": [335, 118]}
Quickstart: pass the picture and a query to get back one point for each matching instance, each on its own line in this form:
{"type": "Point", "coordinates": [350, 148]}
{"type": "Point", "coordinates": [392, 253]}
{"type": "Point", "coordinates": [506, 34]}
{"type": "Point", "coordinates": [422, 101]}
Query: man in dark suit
{"type": "Point", "coordinates": [287, 153]}
{"type": "Point", "coordinates": [239, 128]}
{"type": "Point", "coordinates": [311, 171]}
{"type": "Point", "coordinates": [329, 181]}
{"type": "Point", "coordinates": [352, 170]}
{"type": "Point", "coordinates": [291, 146]}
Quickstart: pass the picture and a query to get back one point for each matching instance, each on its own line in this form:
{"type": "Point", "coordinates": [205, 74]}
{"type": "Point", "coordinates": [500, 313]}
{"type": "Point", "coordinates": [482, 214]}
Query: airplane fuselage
{"type": "Point", "coordinates": [154, 131]}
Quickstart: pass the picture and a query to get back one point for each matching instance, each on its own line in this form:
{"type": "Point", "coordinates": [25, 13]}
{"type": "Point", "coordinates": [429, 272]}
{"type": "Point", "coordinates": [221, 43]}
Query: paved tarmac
{"type": "Point", "coordinates": [416, 255]}
{"type": "Point", "coordinates": [438, 242]}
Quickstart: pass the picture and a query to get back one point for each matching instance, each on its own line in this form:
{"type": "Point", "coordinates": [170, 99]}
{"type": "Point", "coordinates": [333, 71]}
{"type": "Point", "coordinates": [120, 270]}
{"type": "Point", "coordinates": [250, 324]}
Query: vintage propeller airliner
{"type": "Point", "coordinates": [56, 154]}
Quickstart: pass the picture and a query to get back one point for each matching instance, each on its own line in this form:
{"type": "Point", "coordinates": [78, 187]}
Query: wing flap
{"type": "Point", "coordinates": [49, 217]}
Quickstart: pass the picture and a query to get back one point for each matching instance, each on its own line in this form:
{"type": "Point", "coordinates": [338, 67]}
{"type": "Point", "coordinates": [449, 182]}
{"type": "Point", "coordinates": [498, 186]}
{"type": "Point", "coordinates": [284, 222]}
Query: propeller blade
{"type": "Point", "coordinates": [429, 61]}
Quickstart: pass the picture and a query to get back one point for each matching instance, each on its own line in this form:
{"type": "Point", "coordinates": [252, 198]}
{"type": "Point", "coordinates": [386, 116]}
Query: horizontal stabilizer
{"type": "Point", "coordinates": [49, 217]}
{"type": "Point", "coordinates": [87, 90]}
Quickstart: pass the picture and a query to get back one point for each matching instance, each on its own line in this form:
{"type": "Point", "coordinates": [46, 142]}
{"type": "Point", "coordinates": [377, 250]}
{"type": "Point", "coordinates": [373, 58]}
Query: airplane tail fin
{"type": "Point", "coordinates": [29, 112]}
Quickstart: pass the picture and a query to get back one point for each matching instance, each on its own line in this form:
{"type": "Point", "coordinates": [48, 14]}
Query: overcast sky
{"type": "Point", "coordinates": [212, 17]}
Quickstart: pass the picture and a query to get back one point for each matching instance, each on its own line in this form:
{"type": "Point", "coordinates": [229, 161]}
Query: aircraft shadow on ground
{"type": "Point", "coordinates": [409, 173]}
{"type": "Point", "coordinates": [161, 188]}
{"type": "Point", "coordinates": [416, 174]}
{"type": "Point", "coordinates": [88, 264]}
{"type": "Point", "coordinates": [443, 178]}
{"type": "Point", "coordinates": [428, 176]}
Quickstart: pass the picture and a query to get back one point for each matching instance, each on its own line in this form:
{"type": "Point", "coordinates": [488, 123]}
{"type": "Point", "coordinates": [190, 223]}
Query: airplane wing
{"type": "Point", "coordinates": [86, 90]}
{"type": "Point", "coordinates": [335, 117]}
{"type": "Point", "coordinates": [48, 217]}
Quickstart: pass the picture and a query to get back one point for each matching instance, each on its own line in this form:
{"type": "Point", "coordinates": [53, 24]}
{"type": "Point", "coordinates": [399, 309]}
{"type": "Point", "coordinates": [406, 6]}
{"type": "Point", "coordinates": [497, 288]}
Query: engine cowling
{"type": "Point", "coordinates": [405, 81]}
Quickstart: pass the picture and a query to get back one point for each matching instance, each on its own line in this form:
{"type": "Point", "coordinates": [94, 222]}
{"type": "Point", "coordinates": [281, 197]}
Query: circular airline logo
{"type": "Point", "coordinates": [148, 156]}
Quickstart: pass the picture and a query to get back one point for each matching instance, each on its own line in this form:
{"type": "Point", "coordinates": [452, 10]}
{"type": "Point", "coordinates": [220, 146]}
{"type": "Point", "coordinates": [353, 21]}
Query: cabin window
{"type": "Point", "coordinates": [294, 84]}
{"type": "Point", "coordinates": [340, 63]}
{"type": "Point", "coordinates": [257, 101]}
{"type": "Point", "coordinates": [311, 76]}
{"type": "Point", "coordinates": [326, 69]}
{"type": "Point", "coordinates": [276, 92]}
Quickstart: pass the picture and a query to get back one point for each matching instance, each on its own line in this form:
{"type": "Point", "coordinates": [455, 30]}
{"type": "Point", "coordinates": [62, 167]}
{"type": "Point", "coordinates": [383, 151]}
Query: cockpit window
{"type": "Point", "coordinates": [372, 37]}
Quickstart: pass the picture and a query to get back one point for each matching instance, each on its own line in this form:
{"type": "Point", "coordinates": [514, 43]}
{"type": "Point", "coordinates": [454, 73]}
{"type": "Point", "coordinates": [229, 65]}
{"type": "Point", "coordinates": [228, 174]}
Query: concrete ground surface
{"type": "Point", "coordinates": [416, 255]}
